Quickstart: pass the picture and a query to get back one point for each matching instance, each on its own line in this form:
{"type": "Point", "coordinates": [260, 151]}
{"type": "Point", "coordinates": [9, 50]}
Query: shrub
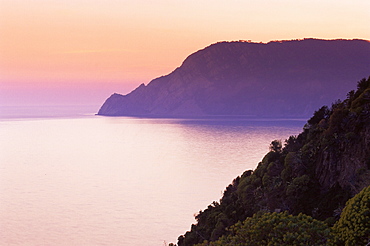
{"type": "Point", "coordinates": [353, 227]}
{"type": "Point", "coordinates": [275, 229]}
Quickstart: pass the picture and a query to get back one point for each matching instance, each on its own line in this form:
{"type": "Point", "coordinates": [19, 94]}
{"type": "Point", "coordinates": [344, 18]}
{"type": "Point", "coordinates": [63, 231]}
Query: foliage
{"type": "Point", "coordinates": [275, 229]}
{"type": "Point", "coordinates": [293, 177]}
{"type": "Point", "coordinates": [276, 146]}
{"type": "Point", "coordinates": [353, 227]}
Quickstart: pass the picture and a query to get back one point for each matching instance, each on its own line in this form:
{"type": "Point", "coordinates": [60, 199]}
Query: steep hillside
{"type": "Point", "coordinates": [314, 173]}
{"type": "Point", "coordinates": [277, 79]}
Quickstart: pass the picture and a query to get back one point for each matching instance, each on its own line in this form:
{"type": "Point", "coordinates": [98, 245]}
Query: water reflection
{"type": "Point", "coordinates": [120, 181]}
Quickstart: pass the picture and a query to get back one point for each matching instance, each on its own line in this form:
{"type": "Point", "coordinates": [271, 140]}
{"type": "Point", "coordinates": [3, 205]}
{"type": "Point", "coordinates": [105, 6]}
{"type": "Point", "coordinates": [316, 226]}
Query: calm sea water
{"type": "Point", "coordinates": [120, 181]}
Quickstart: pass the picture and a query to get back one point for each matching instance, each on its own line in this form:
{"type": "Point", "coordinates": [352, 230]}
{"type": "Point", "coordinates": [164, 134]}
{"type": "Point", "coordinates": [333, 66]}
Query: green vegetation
{"type": "Point", "coordinates": [314, 173]}
{"type": "Point", "coordinates": [353, 227]}
{"type": "Point", "coordinates": [275, 229]}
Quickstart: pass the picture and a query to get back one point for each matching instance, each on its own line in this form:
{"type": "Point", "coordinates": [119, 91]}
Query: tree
{"type": "Point", "coordinates": [353, 227]}
{"type": "Point", "coordinates": [276, 146]}
{"type": "Point", "coordinates": [275, 229]}
{"type": "Point", "coordinates": [320, 114]}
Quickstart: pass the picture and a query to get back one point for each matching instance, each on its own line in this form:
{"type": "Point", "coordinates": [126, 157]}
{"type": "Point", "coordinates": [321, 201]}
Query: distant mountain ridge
{"type": "Point", "coordinates": [277, 79]}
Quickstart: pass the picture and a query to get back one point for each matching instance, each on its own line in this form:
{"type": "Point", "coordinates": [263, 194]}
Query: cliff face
{"type": "Point", "coordinates": [348, 165]}
{"type": "Point", "coordinates": [288, 78]}
{"type": "Point", "coordinates": [314, 173]}
{"type": "Point", "coordinates": [343, 158]}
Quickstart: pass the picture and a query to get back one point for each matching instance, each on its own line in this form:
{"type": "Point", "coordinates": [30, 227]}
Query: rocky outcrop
{"type": "Point", "coordinates": [277, 79]}
{"type": "Point", "coordinates": [346, 167]}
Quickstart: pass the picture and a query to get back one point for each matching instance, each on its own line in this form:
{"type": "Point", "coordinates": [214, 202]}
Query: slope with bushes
{"type": "Point", "coordinates": [353, 228]}
{"type": "Point", "coordinates": [314, 173]}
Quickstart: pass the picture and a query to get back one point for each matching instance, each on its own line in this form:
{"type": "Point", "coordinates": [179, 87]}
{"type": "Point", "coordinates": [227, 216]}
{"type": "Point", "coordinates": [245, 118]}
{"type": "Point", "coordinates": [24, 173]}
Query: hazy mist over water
{"type": "Point", "coordinates": [46, 111]}
{"type": "Point", "coordinates": [93, 180]}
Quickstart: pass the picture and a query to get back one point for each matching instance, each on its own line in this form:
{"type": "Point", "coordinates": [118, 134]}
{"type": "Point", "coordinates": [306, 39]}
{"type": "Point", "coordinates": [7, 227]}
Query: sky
{"type": "Point", "coordinates": [82, 51]}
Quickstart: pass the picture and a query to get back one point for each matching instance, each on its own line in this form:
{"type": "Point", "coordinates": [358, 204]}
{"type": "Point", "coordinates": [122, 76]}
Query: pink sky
{"type": "Point", "coordinates": [80, 51]}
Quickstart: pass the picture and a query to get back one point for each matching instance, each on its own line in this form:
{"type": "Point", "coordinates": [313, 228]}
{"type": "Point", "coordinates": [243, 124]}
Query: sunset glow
{"type": "Point", "coordinates": [82, 51]}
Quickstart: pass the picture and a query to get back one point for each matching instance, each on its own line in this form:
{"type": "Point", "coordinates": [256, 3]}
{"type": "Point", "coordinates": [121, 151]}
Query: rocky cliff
{"type": "Point", "coordinates": [277, 79]}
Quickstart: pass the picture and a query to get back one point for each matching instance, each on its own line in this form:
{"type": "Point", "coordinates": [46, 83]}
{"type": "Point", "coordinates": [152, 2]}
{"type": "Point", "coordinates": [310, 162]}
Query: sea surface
{"type": "Point", "coordinates": [81, 179]}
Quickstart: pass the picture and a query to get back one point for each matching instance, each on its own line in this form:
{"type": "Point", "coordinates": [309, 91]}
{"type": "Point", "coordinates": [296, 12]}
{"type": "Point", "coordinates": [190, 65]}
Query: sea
{"type": "Point", "coordinates": [70, 177]}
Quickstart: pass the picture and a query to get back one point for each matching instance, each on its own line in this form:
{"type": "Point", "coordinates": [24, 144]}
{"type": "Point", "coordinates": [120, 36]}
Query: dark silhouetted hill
{"type": "Point", "coordinates": [277, 79]}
